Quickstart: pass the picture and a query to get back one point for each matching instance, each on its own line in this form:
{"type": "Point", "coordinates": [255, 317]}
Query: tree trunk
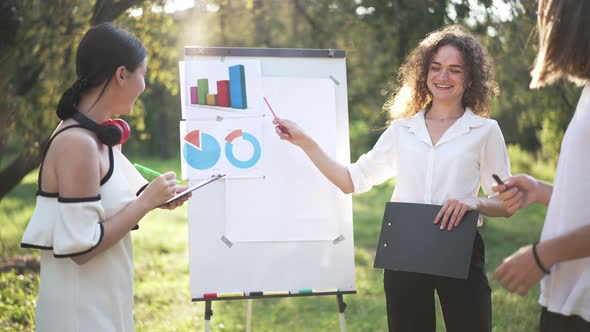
{"type": "Point", "coordinates": [11, 176]}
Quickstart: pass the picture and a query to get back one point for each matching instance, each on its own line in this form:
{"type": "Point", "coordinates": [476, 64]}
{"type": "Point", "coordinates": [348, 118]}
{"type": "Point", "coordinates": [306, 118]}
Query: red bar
{"type": "Point", "coordinates": [223, 93]}
{"type": "Point", "coordinates": [210, 295]}
{"type": "Point", "coordinates": [194, 95]}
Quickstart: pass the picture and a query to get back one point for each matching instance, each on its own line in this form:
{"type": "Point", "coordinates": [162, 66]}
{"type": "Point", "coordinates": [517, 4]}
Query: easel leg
{"type": "Point", "coordinates": [341, 308]}
{"type": "Point", "coordinates": [208, 314]}
{"type": "Point", "coordinates": [249, 317]}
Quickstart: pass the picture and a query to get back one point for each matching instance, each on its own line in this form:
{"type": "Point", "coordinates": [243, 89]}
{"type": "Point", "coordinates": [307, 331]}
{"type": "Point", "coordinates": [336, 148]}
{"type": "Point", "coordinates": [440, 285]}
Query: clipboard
{"type": "Point", "coordinates": [196, 186]}
{"type": "Point", "coordinates": [409, 241]}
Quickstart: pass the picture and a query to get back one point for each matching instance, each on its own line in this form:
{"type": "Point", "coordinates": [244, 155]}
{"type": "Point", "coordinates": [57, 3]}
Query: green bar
{"type": "Point", "coordinates": [203, 89]}
{"type": "Point", "coordinates": [305, 291]}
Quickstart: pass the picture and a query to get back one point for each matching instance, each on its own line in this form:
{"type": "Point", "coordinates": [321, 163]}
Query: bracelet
{"type": "Point", "coordinates": [538, 260]}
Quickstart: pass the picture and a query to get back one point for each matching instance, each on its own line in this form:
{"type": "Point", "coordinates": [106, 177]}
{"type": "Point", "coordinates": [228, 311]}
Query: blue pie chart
{"type": "Point", "coordinates": [201, 151]}
{"type": "Point", "coordinates": [229, 149]}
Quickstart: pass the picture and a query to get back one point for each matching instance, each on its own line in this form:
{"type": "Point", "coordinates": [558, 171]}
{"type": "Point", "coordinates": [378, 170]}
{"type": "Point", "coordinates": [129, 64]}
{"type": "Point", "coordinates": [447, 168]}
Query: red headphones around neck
{"type": "Point", "coordinates": [111, 132]}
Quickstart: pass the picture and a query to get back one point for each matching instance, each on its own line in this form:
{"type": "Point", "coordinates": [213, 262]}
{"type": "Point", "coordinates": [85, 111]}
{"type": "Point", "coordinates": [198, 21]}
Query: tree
{"type": "Point", "coordinates": [37, 51]}
{"type": "Point", "coordinates": [33, 59]}
{"type": "Point", "coordinates": [533, 119]}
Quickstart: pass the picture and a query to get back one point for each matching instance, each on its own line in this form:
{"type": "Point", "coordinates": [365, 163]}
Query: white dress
{"type": "Point", "coordinates": [98, 295]}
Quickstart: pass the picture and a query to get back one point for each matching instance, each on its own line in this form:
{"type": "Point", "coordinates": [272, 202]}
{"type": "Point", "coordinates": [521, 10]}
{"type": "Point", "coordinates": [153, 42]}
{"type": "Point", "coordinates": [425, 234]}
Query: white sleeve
{"type": "Point", "coordinates": [494, 159]}
{"type": "Point", "coordinates": [377, 165]}
{"type": "Point", "coordinates": [78, 228]}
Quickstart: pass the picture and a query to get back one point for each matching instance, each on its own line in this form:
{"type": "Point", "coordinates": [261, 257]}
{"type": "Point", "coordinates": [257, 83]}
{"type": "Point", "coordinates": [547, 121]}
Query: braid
{"type": "Point", "coordinates": [70, 98]}
{"type": "Point", "coordinates": [78, 87]}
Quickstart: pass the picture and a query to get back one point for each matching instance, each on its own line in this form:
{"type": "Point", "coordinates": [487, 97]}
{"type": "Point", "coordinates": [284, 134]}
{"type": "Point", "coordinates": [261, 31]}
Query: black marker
{"type": "Point", "coordinates": [498, 180]}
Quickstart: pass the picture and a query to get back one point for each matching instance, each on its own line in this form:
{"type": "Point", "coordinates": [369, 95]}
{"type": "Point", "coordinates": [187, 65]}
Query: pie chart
{"type": "Point", "coordinates": [236, 135]}
{"type": "Point", "coordinates": [201, 151]}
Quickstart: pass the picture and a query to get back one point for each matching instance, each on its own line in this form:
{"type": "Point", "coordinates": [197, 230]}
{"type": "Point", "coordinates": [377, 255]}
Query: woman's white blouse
{"type": "Point", "coordinates": [464, 158]}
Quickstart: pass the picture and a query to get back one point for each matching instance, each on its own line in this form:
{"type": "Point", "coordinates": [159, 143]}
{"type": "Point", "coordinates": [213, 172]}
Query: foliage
{"type": "Point", "coordinates": [17, 300]}
{"type": "Point", "coordinates": [38, 51]}
{"type": "Point", "coordinates": [38, 66]}
{"type": "Point", "coordinates": [32, 67]}
{"type": "Point", "coordinates": [533, 119]}
{"type": "Point", "coordinates": [524, 162]}
{"type": "Point", "coordinates": [155, 122]}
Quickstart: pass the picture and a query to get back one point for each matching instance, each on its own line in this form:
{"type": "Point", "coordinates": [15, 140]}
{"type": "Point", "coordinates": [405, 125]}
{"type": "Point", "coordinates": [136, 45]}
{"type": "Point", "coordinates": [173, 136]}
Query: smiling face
{"type": "Point", "coordinates": [446, 75]}
{"type": "Point", "coordinates": [130, 86]}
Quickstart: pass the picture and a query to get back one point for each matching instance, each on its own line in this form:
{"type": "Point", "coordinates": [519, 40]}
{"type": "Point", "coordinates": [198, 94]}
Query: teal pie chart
{"type": "Point", "coordinates": [229, 149]}
{"type": "Point", "coordinates": [201, 151]}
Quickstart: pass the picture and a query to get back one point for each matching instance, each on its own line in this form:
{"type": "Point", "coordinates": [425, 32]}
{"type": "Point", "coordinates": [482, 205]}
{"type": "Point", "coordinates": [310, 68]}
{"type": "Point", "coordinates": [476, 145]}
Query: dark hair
{"type": "Point", "coordinates": [414, 95]}
{"type": "Point", "coordinates": [564, 42]}
{"type": "Point", "coordinates": [101, 51]}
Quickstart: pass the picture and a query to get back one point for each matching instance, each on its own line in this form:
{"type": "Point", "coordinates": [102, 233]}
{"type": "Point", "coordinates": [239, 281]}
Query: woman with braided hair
{"type": "Point", "coordinates": [89, 195]}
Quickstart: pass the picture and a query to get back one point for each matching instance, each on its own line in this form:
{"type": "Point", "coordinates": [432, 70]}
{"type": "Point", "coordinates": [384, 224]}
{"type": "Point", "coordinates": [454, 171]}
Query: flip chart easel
{"type": "Point", "coordinates": [274, 227]}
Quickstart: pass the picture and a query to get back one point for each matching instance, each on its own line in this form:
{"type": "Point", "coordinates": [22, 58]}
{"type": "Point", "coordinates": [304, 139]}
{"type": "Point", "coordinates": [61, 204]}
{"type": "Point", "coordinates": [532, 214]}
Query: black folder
{"type": "Point", "coordinates": [409, 241]}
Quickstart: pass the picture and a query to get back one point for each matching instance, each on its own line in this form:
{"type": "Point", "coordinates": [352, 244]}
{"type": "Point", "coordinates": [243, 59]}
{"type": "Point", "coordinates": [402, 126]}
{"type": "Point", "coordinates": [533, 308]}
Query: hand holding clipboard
{"type": "Point", "coordinates": [195, 187]}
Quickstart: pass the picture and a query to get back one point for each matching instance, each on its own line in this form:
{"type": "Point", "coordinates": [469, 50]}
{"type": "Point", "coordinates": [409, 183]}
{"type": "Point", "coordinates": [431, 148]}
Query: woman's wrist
{"type": "Point", "coordinates": [479, 204]}
{"type": "Point", "coordinates": [308, 145]}
{"type": "Point", "coordinates": [536, 189]}
{"type": "Point", "coordinates": [541, 264]}
{"type": "Point", "coordinates": [142, 206]}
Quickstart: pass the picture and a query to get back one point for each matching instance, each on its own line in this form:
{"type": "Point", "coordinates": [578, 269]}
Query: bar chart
{"type": "Point", "coordinates": [230, 93]}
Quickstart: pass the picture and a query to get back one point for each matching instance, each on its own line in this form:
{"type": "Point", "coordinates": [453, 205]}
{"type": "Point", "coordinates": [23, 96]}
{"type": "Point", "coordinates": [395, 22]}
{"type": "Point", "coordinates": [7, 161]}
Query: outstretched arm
{"type": "Point", "coordinates": [333, 170]}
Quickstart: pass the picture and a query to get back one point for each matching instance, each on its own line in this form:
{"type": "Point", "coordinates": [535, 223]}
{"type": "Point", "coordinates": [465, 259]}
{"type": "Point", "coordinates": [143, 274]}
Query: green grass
{"type": "Point", "coordinates": [162, 294]}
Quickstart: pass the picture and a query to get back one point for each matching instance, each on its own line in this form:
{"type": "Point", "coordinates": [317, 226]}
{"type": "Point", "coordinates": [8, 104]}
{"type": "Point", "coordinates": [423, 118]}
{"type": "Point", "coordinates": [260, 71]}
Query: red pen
{"type": "Point", "coordinates": [270, 108]}
{"type": "Point", "coordinates": [282, 128]}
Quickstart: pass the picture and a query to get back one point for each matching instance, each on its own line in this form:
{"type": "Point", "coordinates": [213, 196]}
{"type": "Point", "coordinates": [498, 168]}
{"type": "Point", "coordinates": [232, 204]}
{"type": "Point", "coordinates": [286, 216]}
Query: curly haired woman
{"type": "Point", "coordinates": [442, 148]}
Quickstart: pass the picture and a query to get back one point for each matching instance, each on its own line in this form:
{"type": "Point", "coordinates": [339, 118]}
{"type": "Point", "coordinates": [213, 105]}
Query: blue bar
{"type": "Point", "coordinates": [237, 87]}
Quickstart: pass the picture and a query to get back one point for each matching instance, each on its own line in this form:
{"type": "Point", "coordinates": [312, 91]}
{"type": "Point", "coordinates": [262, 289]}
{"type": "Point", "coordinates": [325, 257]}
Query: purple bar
{"type": "Point", "coordinates": [194, 95]}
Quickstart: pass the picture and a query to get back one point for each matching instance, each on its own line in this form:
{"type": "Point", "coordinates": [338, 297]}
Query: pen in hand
{"type": "Point", "coordinates": [276, 118]}
{"type": "Point", "coordinates": [498, 180]}
{"type": "Point", "coordinates": [149, 171]}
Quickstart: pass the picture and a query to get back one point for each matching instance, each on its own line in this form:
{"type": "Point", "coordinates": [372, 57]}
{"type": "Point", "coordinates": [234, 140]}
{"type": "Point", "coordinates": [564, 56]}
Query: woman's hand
{"type": "Point", "coordinates": [290, 131]}
{"type": "Point", "coordinates": [452, 212]}
{"type": "Point", "coordinates": [517, 192]}
{"type": "Point", "coordinates": [333, 170]}
{"type": "Point", "coordinates": [179, 201]}
{"type": "Point", "coordinates": [159, 190]}
{"type": "Point", "coordinates": [519, 272]}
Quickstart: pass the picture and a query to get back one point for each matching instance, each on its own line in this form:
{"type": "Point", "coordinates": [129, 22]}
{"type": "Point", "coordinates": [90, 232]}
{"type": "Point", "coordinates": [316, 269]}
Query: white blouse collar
{"type": "Point", "coordinates": [463, 125]}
